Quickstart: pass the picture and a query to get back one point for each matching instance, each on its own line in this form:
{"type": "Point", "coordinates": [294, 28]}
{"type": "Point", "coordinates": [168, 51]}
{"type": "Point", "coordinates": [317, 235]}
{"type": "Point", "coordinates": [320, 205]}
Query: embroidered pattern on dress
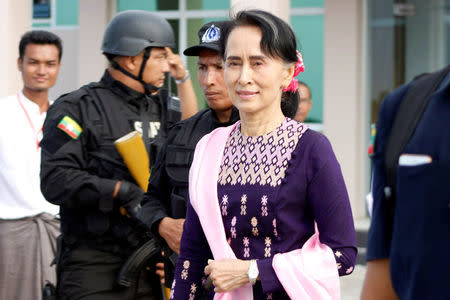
{"type": "Point", "coordinates": [269, 296]}
{"type": "Point", "coordinates": [254, 223]}
{"type": "Point", "coordinates": [172, 289]}
{"type": "Point", "coordinates": [261, 159]}
{"type": "Point", "coordinates": [185, 272]}
{"type": "Point", "coordinates": [267, 250]}
{"type": "Point", "coordinates": [224, 205]}
{"type": "Point", "coordinates": [338, 255]}
{"type": "Point", "coordinates": [274, 223]}
{"type": "Point", "coordinates": [264, 206]}
{"type": "Point", "coordinates": [233, 228]}
{"type": "Point", "coordinates": [243, 205]}
{"type": "Point", "coordinates": [246, 242]}
{"type": "Point", "coordinates": [193, 290]}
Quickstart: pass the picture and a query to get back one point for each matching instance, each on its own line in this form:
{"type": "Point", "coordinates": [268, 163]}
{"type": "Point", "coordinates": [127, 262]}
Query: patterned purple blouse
{"type": "Point", "coordinates": [271, 189]}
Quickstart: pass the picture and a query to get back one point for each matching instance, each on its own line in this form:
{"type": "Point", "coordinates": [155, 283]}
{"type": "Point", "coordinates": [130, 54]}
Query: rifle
{"type": "Point", "coordinates": [129, 273]}
{"type": "Point", "coordinates": [132, 149]}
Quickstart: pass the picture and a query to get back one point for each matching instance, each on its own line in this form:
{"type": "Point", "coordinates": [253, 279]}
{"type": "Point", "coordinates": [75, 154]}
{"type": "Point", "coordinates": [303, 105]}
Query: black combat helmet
{"type": "Point", "coordinates": [132, 31]}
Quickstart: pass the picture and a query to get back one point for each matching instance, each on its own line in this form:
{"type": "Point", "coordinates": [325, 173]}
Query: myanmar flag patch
{"type": "Point", "coordinates": [69, 126]}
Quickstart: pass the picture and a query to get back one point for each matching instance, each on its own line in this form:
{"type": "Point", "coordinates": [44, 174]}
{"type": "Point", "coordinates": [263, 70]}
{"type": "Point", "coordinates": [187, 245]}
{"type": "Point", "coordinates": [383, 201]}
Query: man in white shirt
{"type": "Point", "coordinates": [28, 223]}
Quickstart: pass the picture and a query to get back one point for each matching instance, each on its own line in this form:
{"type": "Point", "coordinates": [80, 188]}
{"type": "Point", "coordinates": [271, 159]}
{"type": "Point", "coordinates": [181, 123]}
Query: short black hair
{"type": "Point", "coordinates": [40, 37]}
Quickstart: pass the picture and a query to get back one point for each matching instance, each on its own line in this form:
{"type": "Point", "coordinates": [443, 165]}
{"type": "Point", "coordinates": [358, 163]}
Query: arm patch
{"type": "Point", "coordinates": [71, 127]}
{"type": "Point", "coordinates": [54, 136]}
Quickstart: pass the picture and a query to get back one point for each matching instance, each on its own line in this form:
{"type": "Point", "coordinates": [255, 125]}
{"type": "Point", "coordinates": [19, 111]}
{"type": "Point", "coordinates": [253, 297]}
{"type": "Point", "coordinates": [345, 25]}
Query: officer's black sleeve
{"type": "Point", "coordinates": [155, 204]}
{"type": "Point", "coordinates": [65, 178]}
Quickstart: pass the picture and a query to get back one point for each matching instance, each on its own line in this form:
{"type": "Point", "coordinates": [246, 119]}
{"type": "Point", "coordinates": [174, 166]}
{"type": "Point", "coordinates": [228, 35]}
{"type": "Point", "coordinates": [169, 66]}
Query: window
{"type": "Point", "coordinates": [41, 9]}
{"type": "Point", "coordinates": [404, 43]}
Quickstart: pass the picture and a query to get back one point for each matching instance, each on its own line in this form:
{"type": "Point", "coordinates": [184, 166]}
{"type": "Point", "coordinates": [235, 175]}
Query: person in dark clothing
{"type": "Point", "coordinates": [408, 243]}
{"type": "Point", "coordinates": [164, 204]}
{"type": "Point", "coordinates": [81, 169]}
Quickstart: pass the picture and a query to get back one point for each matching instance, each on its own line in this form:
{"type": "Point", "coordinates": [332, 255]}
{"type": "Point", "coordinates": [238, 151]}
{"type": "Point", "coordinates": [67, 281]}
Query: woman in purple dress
{"type": "Point", "coordinates": [259, 187]}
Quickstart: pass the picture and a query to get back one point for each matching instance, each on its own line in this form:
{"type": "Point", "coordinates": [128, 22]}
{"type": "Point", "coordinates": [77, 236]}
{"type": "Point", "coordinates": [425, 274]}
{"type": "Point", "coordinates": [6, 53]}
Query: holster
{"type": "Point", "coordinates": [59, 250]}
{"type": "Point", "coordinates": [49, 289]}
{"type": "Point", "coordinates": [129, 273]}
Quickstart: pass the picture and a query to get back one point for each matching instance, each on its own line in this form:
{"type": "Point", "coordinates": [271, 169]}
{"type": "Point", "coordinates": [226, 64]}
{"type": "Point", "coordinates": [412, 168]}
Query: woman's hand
{"type": "Point", "coordinates": [227, 274]}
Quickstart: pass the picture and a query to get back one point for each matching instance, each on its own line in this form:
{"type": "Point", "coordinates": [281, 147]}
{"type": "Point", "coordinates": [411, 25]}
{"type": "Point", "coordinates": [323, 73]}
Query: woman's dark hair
{"type": "Point", "coordinates": [278, 40]}
{"type": "Point", "coordinates": [39, 37]}
{"type": "Point", "coordinates": [289, 104]}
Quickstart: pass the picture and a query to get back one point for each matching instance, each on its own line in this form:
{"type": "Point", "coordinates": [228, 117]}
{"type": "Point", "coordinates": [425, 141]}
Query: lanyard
{"type": "Point", "coordinates": [36, 133]}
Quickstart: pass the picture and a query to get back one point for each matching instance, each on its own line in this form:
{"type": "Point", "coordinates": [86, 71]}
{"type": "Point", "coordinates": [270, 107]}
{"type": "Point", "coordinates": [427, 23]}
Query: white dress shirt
{"type": "Point", "coordinates": [20, 159]}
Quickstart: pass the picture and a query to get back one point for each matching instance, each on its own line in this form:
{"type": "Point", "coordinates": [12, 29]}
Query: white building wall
{"type": "Point", "coordinates": [93, 19]}
{"type": "Point", "coordinates": [279, 8]}
{"type": "Point", "coordinates": [15, 20]}
{"type": "Point", "coordinates": [68, 74]}
{"type": "Point", "coordinates": [344, 105]}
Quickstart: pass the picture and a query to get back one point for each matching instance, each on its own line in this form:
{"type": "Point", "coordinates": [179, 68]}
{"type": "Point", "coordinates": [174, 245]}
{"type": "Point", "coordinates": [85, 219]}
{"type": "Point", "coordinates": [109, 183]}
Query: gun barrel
{"type": "Point", "coordinates": [129, 273]}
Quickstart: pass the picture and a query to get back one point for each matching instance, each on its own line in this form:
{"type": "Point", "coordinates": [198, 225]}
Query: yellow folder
{"type": "Point", "coordinates": [131, 148]}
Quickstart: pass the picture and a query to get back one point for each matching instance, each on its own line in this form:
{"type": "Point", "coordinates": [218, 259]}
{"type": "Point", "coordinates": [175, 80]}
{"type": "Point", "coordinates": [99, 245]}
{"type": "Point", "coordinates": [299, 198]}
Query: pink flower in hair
{"type": "Point", "coordinates": [299, 67]}
{"type": "Point", "coordinates": [292, 87]}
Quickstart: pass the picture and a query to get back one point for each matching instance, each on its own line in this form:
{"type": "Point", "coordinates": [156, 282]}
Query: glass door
{"type": "Point", "coordinates": [406, 38]}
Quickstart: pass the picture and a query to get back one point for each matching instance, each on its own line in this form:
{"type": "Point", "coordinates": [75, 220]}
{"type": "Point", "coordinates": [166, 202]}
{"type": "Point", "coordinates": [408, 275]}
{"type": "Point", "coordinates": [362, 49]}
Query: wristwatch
{"type": "Point", "coordinates": [186, 77]}
{"type": "Point", "coordinates": [253, 272]}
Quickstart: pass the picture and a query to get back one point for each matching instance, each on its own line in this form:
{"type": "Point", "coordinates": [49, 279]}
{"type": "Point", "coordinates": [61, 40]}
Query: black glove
{"type": "Point", "coordinates": [129, 197]}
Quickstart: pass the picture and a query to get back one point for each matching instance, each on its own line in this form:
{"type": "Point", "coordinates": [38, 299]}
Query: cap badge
{"type": "Point", "coordinates": [211, 35]}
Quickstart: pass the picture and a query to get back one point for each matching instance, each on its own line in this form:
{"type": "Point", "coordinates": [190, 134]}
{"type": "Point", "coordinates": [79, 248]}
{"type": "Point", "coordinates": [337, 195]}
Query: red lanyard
{"type": "Point", "coordinates": [29, 122]}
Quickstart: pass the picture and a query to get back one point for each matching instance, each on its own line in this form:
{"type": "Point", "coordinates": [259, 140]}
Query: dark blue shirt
{"type": "Point", "coordinates": [418, 242]}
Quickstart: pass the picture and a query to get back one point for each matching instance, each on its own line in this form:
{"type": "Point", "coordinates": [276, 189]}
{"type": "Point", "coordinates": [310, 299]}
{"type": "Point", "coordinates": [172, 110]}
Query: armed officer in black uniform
{"type": "Point", "coordinates": [83, 172]}
{"type": "Point", "coordinates": [164, 205]}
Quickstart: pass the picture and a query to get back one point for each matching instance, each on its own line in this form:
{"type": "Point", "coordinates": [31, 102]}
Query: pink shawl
{"type": "Point", "coordinates": [307, 273]}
